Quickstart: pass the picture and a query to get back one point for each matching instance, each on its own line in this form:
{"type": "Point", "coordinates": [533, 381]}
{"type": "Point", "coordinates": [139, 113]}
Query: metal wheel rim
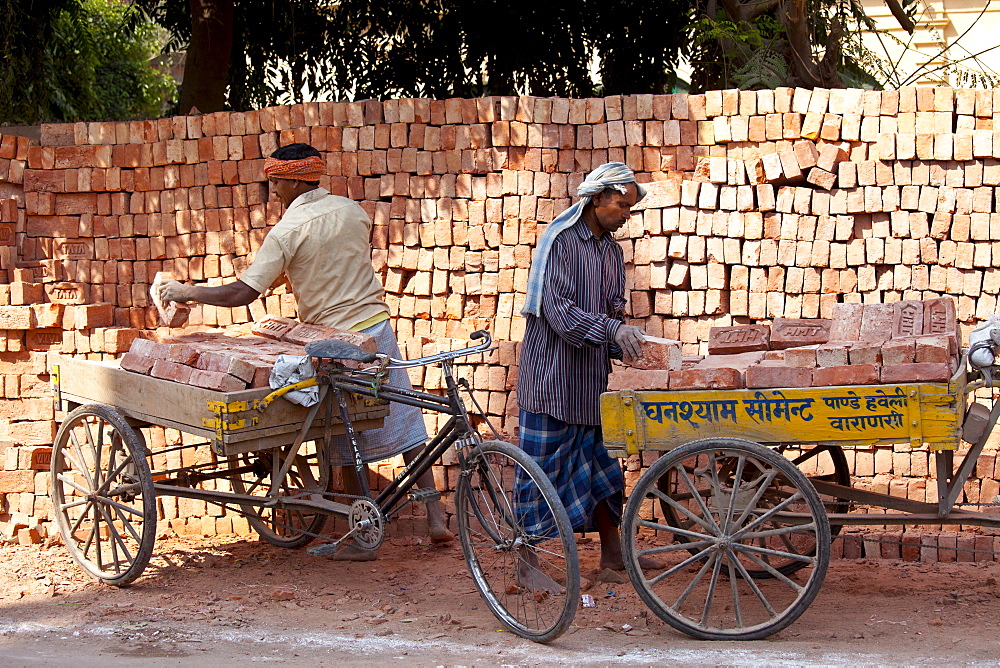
{"type": "Point", "coordinates": [491, 540]}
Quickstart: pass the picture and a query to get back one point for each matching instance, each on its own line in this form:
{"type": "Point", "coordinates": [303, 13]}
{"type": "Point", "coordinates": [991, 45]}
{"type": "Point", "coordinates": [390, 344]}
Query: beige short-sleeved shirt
{"type": "Point", "coordinates": [322, 245]}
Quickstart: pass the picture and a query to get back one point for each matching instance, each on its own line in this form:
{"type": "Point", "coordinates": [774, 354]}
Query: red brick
{"type": "Point", "coordinates": [657, 356]}
{"type": "Point", "coordinates": [120, 339]}
{"type": "Point", "coordinates": [898, 351]}
{"type": "Point", "coordinates": [932, 372]}
{"type": "Point", "coordinates": [831, 355]}
{"type": "Point", "coordinates": [860, 374]}
{"type": "Point", "coordinates": [44, 339]}
{"type": "Point", "coordinates": [803, 357]}
{"type": "Point", "coordinates": [303, 333]}
{"type": "Point", "coordinates": [67, 293]}
{"type": "Point", "coordinates": [46, 315]}
{"type": "Point", "coordinates": [821, 178]}
{"type": "Point", "coordinates": [876, 322]}
{"type": "Point", "coordinates": [229, 364]}
{"type": "Point", "coordinates": [216, 380]}
{"type": "Point", "coordinates": [151, 349]}
{"type": "Point", "coordinates": [136, 362]}
{"type": "Point", "coordinates": [907, 318]}
{"type": "Point", "coordinates": [15, 317]}
{"type": "Point", "coordinates": [628, 378]}
{"type": "Point", "coordinates": [89, 316]}
{"type": "Point", "coordinates": [865, 353]}
{"type": "Point", "coordinates": [767, 375]}
{"type": "Point", "coordinates": [183, 354]}
{"type": "Point", "coordinates": [940, 318]}
{"type": "Point", "coordinates": [22, 293]}
{"type": "Point", "coordinates": [933, 349]}
{"type": "Point", "coordinates": [738, 339]}
{"type": "Point", "coordinates": [179, 373]}
{"type": "Point", "coordinates": [846, 322]}
{"type": "Point", "coordinates": [273, 326]}
{"type": "Point", "coordinates": [28, 536]}
{"type": "Point", "coordinates": [706, 379]}
{"type": "Point", "coordinates": [795, 332]}
{"type": "Point", "coordinates": [17, 481]}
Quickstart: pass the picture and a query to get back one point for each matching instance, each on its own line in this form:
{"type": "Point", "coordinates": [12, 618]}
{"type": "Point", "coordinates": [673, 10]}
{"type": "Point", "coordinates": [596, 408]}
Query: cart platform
{"type": "Point", "coordinates": [228, 420]}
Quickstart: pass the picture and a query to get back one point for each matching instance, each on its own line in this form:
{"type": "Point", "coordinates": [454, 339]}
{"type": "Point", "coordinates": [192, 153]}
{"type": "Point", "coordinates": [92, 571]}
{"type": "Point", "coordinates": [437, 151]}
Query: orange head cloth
{"type": "Point", "coordinates": [306, 169]}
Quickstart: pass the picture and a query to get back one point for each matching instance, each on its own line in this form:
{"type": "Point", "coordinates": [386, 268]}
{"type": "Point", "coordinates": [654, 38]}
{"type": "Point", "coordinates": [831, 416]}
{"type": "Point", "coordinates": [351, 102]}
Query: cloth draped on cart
{"type": "Point", "coordinates": [403, 428]}
{"type": "Point", "coordinates": [575, 460]}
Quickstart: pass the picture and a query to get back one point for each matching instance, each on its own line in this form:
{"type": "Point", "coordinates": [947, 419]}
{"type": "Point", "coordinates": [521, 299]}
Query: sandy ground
{"type": "Point", "coordinates": [212, 602]}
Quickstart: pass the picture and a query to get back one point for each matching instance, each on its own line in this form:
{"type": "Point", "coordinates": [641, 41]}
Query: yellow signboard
{"type": "Point", "coordinates": [660, 420]}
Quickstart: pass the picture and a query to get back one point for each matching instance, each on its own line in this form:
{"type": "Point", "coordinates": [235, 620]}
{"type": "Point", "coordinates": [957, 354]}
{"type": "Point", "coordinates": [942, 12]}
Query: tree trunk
{"type": "Point", "coordinates": [206, 68]}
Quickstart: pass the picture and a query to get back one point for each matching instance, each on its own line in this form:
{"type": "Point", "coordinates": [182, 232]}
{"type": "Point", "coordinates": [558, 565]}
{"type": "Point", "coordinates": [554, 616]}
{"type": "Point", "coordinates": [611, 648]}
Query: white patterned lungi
{"type": "Point", "coordinates": [404, 426]}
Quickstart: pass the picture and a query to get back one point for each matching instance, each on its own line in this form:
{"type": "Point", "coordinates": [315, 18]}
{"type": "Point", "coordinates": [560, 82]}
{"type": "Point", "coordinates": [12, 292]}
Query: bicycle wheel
{"type": "Point", "coordinates": [309, 476]}
{"type": "Point", "coordinates": [719, 582]}
{"type": "Point", "coordinates": [517, 541]}
{"type": "Point", "coordinates": [824, 463]}
{"type": "Point", "coordinates": [102, 494]}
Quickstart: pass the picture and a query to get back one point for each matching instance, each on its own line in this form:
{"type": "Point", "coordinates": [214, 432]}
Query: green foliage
{"type": "Point", "coordinates": [80, 60]}
{"type": "Point", "coordinates": [744, 54]}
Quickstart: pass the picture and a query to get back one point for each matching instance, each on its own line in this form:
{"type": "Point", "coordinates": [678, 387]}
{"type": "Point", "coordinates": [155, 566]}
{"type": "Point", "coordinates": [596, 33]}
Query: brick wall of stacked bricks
{"type": "Point", "coordinates": [766, 204]}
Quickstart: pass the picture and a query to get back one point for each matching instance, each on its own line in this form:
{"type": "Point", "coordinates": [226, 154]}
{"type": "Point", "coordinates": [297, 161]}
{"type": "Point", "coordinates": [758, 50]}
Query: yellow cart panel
{"type": "Point", "coordinates": [920, 414]}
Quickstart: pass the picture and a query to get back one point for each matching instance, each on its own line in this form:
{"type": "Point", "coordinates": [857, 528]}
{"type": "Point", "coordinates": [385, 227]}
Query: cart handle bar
{"type": "Point", "coordinates": [342, 350]}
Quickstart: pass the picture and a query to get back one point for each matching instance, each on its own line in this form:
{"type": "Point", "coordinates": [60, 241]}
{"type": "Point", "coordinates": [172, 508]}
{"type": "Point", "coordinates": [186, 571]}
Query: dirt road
{"type": "Point", "coordinates": [209, 602]}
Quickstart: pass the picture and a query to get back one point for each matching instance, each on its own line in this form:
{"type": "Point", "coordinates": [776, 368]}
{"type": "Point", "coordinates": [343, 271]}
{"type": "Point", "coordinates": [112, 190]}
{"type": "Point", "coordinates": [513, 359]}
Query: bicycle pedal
{"type": "Point", "coordinates": [425, 495]}
{"type": "Point", "coordinates": [324, 550]}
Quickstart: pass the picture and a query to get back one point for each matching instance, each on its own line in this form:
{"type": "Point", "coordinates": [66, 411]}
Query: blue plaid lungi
{"type": "Point", "coordinates": [575, 460]}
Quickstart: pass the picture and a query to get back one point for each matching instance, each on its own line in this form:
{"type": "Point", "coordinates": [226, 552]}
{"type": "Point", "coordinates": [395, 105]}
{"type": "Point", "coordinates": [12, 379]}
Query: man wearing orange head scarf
{"type": "Point", "coordinates": [321, 244]}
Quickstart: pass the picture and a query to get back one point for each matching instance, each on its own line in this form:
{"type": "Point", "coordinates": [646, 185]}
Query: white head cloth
{"type": "Point", "coordinates": [610, 175]}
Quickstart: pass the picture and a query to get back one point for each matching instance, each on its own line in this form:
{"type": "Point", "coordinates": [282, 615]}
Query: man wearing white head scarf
{"type": "Point", "coordinates": [575, 312]}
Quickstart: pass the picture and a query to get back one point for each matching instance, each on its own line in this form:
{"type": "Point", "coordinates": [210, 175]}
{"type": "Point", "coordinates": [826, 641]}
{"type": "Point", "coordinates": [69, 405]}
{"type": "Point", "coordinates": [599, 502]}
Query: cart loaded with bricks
{"type": "Point", "coordinates": [262, 464]}
{"type": "Point", "coordinates": [752, 482]}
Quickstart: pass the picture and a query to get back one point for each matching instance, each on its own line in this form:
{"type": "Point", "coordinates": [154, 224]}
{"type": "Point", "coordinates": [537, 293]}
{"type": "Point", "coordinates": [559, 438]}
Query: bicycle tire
{"type": "Point", "coordinates": [498, 484]}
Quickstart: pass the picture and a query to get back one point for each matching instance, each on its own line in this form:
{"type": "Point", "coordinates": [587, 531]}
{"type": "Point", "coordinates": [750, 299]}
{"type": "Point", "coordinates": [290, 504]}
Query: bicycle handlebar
{"type": "Point", "coordinates": [441, 357]}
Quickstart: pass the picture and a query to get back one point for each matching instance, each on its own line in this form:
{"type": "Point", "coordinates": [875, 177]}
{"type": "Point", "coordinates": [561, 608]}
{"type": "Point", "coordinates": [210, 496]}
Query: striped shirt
{"type": "Point", "coordinates": [565, 356]}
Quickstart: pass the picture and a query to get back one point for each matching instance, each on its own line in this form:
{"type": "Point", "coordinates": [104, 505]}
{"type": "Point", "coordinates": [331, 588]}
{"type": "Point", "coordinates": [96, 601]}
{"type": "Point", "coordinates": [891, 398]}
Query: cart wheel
{"type": "Point", "coordinates": [822, 462]}
{"type": "Point", "coordinates": [308, 475]}
{"type": "Point", "coordinates": [719, 581]}
{"type": "Point", "coordinates": [102, 494]}
{"type": "Point", "coordinates": [501, 490]}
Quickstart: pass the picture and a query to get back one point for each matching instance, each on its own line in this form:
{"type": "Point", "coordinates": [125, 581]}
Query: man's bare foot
{"type": "Point", "coordinates": [352, 553]}
{"type": "Point", "coordinates": [437, 526]}
{"type": "Point", "coordinates": [645, 563]}
{"type": "Point", "coordinates": [439, 533]}
{"type": "Point", "coordinates": [529, 575]}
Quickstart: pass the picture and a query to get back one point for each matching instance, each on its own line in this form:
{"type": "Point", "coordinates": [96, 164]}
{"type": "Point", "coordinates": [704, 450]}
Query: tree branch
{"type": "Point", "coordinates": [897, 10]}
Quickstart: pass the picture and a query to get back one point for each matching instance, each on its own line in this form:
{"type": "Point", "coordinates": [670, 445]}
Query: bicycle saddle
{"type": "Point", "coordinates": [338, 350]}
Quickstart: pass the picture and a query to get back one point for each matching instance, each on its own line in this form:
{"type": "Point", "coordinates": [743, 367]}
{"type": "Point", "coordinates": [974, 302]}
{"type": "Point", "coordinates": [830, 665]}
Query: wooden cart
{"type": "Point", "coordinates": [106, 474]}
{"type": "Point", "coordinates": [752, 484]}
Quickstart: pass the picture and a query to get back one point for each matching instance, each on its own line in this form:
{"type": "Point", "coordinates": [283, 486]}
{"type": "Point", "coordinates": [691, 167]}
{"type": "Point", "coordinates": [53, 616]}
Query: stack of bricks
{"type": "Point", "coordinates": [863, 344]}
{"type": "Point", "coordinates": [763, 205]}
{"type": "Point", "coordinates": [229, 361]}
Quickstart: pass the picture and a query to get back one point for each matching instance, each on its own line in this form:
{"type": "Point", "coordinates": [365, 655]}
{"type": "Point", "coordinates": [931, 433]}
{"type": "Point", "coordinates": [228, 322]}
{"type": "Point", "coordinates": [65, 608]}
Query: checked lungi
{"type": "Point", "coordinates": [575, 460]}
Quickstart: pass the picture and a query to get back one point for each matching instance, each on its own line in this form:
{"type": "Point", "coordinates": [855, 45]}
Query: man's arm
{"type": "Point", "coordinates": [236, 293]}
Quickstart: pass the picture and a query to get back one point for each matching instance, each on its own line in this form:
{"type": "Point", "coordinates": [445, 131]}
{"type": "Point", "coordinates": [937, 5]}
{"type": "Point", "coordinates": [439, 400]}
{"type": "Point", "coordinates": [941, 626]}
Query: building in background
{"type": "Point", "coordinates": [955, 43]}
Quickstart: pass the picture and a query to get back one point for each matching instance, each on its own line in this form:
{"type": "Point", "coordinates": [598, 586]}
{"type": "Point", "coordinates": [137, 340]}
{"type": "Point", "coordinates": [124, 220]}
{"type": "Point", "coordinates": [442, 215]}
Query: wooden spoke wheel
{"type": "Point", "coordinates": [825, 463]}
{"type": "Point", "coordinates": [308, 477]}
{"type": "Point", "coordinates": [742, 506]}
{"type": "Point", "coordinates": [102, 494]}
